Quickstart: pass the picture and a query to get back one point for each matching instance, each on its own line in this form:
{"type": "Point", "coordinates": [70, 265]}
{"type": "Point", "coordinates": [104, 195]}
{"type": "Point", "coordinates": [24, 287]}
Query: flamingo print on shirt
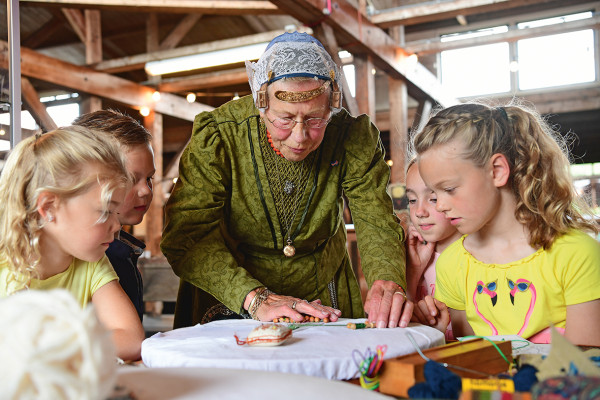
{"type": "Point", "coordinates": [490, 290]}
{"type": "Point", "coordinates": [520, 286]}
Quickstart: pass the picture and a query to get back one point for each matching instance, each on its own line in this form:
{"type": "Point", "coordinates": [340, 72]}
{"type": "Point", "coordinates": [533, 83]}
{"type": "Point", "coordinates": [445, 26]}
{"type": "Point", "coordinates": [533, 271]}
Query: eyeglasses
{"type": "Point", "coordinates": [289, 124]}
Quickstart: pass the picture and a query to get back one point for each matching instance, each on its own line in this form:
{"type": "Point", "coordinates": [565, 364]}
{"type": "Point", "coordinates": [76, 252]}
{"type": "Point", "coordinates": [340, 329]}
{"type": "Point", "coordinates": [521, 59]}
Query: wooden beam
{"type": "Point", "coordinates": [77, 22]}
{"type": "Point", "coordinates": [436, 11]}
{"type": "Point", "coordinates": [398, 129]}
{"type": "Point", "coordinates": [154, 217]}
{"type": "Point", "coordinates": [514, 34]}
{"type": "Point", "coordinates": [93, 50]}
{"type": "Point", "coordinates": [138, 61]}
{"type": "Point", "coordinates": [44, 33]}
{"type": "Point", "coordinates": [151, 33]}
{"type": "Point", "coordinates": [327, 38]}
{"type": "Point", "coordinates": [368, 38]}
{"type": "Point", "coordinates": [32, 98]}
{"type": "Point", "coordinates": [183, 28]}
{"type": "Point", "coordinates": [58, 72]}
{"type": "Point", "coordinates": [204, 81]}
{"type": "Point", "coordinates": [365, 86]}
{"type": "Point", "coordinates": [222, 7]}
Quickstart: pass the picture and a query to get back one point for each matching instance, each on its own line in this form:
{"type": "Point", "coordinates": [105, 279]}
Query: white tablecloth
{"type": "Point", "coordinates": [321, 351]}
{"type": "Point", "coordinates": [234, 384]}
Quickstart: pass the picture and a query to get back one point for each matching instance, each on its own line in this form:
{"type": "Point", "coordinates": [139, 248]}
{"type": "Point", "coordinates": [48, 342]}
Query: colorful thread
{"type": "Point", "coordinates": [368, 366]}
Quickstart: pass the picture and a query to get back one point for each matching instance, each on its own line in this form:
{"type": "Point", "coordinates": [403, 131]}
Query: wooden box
{"type": "Point", "coordinates": [397, 375]}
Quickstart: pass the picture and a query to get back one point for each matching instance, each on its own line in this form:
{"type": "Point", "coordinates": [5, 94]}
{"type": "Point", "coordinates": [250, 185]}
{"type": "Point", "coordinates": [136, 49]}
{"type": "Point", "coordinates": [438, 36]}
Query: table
{"type": "Point", "coordinates": [322, 351]}
{"type": "Point", "coordinates": [225, 384]}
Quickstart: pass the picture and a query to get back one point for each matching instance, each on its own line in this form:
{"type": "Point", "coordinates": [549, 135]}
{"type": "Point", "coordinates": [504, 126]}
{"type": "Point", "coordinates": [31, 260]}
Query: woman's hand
{"type": "Point", "coordinates": [387, 305]}
{"type": "Point", "coordinates": [280, 306]}
{"type": "Point", "coordinates": [432, 312]}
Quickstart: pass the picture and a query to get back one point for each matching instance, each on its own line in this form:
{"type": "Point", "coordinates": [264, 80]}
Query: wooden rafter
{"type": "Point", "coordinates": [32, 98]}
{"type": "Point", "coordinates": [367, 38]}
{"type": "Point", "coordinates": [83, 79]}
{"type": "Point", "coordinates": [222, 7]}
{"type": "Point", "coordinates": [77, 22]}
{"type": "Point", "coordinates": [138, 61]}
{"type": "Point", "coordinates": [435, 11]}
{"type": "Point", "coordinates": [204, 81]}
{"type": "Point", "coordinates": [436, 46]}
{"type": "Point", "coordinates": [179, 32]}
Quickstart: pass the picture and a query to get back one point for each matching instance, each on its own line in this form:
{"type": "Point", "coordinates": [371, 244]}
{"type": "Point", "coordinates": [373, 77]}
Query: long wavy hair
{"type": "Point", "coordinates": [66, 162]}
{"type": "Point", "coordinates": [547, 202]}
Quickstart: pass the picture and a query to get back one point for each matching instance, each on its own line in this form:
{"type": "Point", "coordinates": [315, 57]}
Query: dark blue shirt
{"type": "Point", "coordinates": [123, 254]}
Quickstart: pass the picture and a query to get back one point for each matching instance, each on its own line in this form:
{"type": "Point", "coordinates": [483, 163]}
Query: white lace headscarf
{"type": "Point", "coordinates": [290, 55]}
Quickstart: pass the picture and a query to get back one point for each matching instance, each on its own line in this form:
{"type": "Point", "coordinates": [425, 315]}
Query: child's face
{"type": "Point", "coordinates": [431, 224]}
{"type": "Point", "coordinates": [140, 163]}
{"type": "Point", "coordinates": [76, 230]}
{"type": "Point", "coordinates": [465, 193]}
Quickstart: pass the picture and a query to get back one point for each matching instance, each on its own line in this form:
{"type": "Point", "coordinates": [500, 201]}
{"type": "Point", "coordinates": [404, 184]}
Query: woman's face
{"type": "Point", "coordinates": [298, 142]}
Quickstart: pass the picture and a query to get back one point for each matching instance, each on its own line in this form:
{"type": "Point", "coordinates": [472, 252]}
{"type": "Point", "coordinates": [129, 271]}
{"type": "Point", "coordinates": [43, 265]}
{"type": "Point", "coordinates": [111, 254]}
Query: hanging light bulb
{"type": "Point", "coordinates": [145, 111]}
{"type": "Point", "coordinates": [156, 96]}
{"type": "Point", "coordinates": [191, 97]}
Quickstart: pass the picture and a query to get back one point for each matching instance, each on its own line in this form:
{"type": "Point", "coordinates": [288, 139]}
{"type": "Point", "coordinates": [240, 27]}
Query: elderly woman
{"type": "Point", "coordinates": [254, 224]}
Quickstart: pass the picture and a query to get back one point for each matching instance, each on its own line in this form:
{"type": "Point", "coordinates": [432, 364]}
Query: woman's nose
{"type": "Point", "coordinates": [299, 131]}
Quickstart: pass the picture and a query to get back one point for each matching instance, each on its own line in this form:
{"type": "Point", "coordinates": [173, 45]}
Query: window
{"type": "Point", "coordinates": [556, 60]}
{"type": "Point", "coordinates": [476, 70]}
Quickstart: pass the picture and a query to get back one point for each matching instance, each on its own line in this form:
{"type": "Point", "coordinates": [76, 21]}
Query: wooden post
{"type": "Point", "coordinates": [93, 51]}
{"type": "Point", "coordinates": [154, 216]}
{"type": "Point", "coordinates": [365, 85]}
{"type": "Point", "coordinates": [398, 95]}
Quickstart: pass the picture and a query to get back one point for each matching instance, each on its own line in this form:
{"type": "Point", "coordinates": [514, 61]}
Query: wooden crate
{"type": "Point", "coordinates": [397, 375]}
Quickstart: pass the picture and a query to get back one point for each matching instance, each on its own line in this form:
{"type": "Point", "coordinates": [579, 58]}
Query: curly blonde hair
{"type": "Point", "coordinates": [547, 203]}
{"type": "Point", "coordinates": [66, 162]}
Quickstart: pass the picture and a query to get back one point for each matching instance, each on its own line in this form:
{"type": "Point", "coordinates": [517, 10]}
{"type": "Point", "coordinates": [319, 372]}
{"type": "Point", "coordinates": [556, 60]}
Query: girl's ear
{"type": "Point", "coordinates": [47, 203]}
{"type": "Point", "coordinates": [500, 169]}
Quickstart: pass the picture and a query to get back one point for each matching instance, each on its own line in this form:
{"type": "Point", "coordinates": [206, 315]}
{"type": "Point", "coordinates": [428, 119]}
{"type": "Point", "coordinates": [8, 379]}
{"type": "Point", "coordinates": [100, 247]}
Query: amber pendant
{"type": "Point", "coordinates": [289, 250]}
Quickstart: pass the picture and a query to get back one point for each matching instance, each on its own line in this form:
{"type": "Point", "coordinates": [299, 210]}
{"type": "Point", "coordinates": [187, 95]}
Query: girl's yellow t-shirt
{"type": "Point", "coordinates": [82, 279]}
{"type": "Point", "coordinates": [522, 297]}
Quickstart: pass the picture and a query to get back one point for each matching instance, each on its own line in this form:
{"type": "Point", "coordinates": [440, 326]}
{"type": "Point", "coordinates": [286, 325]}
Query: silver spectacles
{"type": "Point", "coordinates": [289, 123]}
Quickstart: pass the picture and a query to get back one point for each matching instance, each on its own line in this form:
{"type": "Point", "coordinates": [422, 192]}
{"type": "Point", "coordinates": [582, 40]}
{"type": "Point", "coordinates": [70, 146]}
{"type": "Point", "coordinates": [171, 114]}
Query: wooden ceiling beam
{"type": "Point", "coordinates": [430, 12]}
{"type": "Point", "coordinates": [367, 38]}
{"type": "Point", "coordinates": [45, 32]}
{"type": "Point", "coordinates": [83, 79]}
{"type": "Point", "coordinates": [38, 109]}
{"type": "Point", "coordinates": [436, 46]}
{"type": "Point", "coordinates": [138, 61]}
{"type": "Point", "coordinates": [222, 7]}
{"type": "Point", "coordinates": [204, 81]}
{"type": "Point", "coordinates": [183, 28]}
{"type": "Point", "coordinates": [76, 21]}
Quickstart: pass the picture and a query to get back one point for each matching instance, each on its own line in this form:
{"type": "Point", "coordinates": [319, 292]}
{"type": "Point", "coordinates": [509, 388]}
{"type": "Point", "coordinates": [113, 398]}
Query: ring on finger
{"type": "Point", "coordinates": [294, 304]}
{"type": "Point", "coordinates": [400, 293]}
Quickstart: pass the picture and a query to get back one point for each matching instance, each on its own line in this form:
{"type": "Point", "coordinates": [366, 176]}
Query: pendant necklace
{"type": "Point", "coordinates": [289, 188]}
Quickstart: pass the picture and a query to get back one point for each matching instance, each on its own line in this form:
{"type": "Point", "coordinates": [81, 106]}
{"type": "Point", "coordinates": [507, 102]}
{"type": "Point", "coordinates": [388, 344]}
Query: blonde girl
{"type": "Point", "coordinates": [59, 193]}
{"type": "Point", "coordinates": [524, 262]}
{"type": "Point", "coordinates": [429, 233]}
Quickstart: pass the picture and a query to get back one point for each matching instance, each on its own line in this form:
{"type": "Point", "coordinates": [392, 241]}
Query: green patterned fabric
{"type": "Point", "coordinates": [223, 236]}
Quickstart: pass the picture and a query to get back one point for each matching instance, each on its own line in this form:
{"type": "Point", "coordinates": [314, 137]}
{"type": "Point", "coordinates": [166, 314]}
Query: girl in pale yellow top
{"type": "Point", "coordinates": [59, 192]}
{"type": "Point", "coordinates": [526, 261]}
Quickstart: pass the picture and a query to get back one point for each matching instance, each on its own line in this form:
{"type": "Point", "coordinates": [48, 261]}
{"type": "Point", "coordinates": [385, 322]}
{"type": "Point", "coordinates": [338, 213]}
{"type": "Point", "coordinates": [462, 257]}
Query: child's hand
{"type": "Point", "coordinates": [432, 312]}
{"type": "Point", "coordinates": [419, 251]}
